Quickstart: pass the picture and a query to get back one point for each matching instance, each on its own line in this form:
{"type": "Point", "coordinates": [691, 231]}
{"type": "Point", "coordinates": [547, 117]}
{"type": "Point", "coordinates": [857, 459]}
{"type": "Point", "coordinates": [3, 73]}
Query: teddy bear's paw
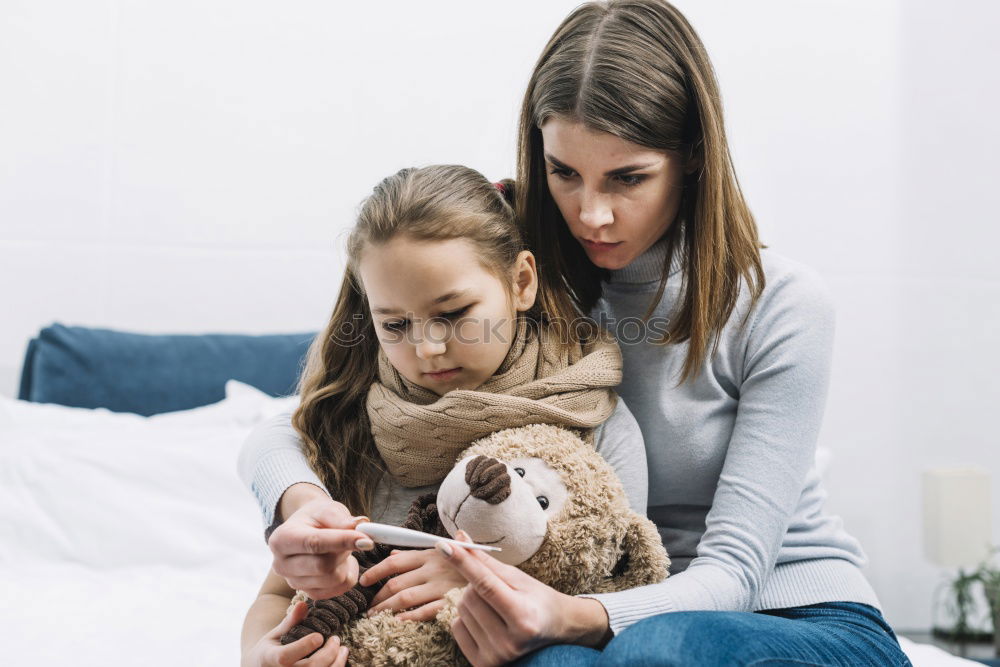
{"type": "Point", "coordinates": [329, 617]}
{"type": "Point", "coordinates": [295, 634]}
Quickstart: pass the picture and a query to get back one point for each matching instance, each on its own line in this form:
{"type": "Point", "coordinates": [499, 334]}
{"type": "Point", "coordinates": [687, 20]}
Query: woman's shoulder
{"type": "Point", "coordinates": [789, 283]}
{"type": "Point", "coordinates": [795, 304]}
{"type": "Point", "coordinates": [780, 270]}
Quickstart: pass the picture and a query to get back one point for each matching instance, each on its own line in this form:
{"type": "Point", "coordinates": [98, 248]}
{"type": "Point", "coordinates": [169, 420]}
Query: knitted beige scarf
{"type": "Point", "coordinates": [541, 381]}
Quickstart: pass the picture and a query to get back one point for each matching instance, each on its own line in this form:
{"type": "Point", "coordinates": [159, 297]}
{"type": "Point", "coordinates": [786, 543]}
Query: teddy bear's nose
{"type": "Point", "coordinates": [488, 479]}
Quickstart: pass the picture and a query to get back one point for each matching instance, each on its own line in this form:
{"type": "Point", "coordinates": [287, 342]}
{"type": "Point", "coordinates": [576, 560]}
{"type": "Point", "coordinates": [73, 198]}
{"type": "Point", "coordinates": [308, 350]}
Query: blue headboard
{"type": "Point", "coordinates": [148, 374]}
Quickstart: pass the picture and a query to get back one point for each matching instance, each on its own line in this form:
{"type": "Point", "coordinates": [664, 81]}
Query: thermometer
{"type": "Point", "coordinates": [404, 537]}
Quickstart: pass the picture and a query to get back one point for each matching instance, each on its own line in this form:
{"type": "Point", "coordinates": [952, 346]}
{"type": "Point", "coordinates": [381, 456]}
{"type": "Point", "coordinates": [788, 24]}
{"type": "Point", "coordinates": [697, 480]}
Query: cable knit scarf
{"type": "Point", "coordinates": [541, 381]}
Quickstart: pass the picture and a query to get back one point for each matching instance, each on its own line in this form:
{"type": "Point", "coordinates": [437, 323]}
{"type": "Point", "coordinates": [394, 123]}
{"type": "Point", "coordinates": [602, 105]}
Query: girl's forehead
{"type": "Point", "coordinates": [410, 275]}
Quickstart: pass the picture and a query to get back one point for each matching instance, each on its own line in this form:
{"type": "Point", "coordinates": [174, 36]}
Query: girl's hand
{"type": "Point", "coordinates": [312, 548]}
{"type": "Point", "coordinates": [420, 578]}
{"type": "Point", "coordinates": [505, 613]}
{"type": "Point", "coordinates": [269, 652]}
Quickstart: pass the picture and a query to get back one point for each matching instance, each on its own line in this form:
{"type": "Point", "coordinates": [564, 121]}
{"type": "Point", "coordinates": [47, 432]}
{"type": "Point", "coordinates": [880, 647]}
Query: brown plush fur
{"type": "Point", "coordinates": [596, 544]}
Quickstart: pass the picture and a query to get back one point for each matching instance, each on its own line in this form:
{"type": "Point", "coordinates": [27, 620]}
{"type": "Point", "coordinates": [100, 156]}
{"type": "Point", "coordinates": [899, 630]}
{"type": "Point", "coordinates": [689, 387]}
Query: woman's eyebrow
{"type": "Point", "coordinates": [614, 172]}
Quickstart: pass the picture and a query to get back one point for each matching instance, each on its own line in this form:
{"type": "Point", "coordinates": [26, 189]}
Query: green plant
{"type": "Point", "coordinates": [988, 574]}
{"type": "Point", "coordinates": [959, 604]}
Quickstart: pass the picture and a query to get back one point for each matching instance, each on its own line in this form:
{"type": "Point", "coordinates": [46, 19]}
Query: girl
{"type": "Point", "coordinates": [628, 196]}
{"type": "Point", "coordinates": [436, 340]}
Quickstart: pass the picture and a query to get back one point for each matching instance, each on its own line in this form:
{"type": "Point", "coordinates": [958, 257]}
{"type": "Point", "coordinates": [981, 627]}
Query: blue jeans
{"type": "Point", "coordinates": [831, 633]}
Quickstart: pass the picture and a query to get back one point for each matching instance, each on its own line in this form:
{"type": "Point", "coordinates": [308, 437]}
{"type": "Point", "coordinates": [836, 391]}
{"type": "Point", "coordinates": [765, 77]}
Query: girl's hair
{"type": "Point", "coordinates": [637, 70]}
{"type": "Point", "coordinates": [428, 204]}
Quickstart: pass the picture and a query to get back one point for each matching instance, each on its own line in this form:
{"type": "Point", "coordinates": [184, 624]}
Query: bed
{"type": "Point", "coordinates": [125, 535]}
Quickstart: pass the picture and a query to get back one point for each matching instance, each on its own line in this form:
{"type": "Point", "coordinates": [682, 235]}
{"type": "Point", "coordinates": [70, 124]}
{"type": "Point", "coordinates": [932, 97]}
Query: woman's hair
{"type": "Point", "coordinates": [429, 204]}
{"type": "Point", "coordinates": [637, 70]}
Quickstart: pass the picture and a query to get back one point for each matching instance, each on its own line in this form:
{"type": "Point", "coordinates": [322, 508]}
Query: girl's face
{"type": "Point", "coordinates": [617, 197]}
{"type": "Point", "coordinates": [444, 321]}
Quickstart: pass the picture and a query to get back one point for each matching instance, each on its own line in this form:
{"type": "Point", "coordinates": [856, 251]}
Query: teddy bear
{"type": "Point", "coordinates": [551, 503]}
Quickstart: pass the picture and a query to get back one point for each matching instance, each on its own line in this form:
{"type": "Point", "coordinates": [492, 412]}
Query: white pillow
{"type": "Point", "coordinates": [111, 489]}
{"type": "Point", "coordinates": [135, 532]}
{"type": "Point", "coordinates": [242, 405]}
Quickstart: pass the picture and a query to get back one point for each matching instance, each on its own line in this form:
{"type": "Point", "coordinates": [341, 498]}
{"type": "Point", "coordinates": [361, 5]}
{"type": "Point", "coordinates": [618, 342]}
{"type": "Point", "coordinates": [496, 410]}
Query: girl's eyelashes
{"type": "Point", "coordinates": [399, 325]}
{"type": "Point", "coordinates": [395, 325]}
{"type": "Point", "coordinates": [455, 314]}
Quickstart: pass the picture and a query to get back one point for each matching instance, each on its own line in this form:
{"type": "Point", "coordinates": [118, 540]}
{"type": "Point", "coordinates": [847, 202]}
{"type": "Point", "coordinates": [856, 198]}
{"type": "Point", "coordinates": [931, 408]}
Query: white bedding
{"type": "Point", "coordinates": [129, 540]}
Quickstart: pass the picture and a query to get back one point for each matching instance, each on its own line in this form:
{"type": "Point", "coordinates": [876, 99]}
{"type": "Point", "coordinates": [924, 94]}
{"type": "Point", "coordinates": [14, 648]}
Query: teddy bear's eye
{"type": "Point", "coordinates": [543, 501]}
{"type": "Point", "coordinates": [519, 471]}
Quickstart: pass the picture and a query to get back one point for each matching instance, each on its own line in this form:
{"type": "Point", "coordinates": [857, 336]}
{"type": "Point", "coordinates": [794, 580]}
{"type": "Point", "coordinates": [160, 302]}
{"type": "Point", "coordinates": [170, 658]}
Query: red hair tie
{"type": "Point", "coordinates": [501, 187]}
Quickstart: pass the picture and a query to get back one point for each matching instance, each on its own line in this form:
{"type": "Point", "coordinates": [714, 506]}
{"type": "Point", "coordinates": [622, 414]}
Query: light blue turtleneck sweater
{"type": "Point", "coordinates": [733, 486]}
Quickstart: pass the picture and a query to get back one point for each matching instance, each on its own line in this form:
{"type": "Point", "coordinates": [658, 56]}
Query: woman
{"type": "Point", "coordinates": [629, 200]}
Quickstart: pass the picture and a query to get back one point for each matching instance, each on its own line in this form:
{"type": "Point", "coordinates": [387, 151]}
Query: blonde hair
{"type": "Point", "coordinates": [637, 70]}
{"type": "Point", "coordinates": [426, 204]}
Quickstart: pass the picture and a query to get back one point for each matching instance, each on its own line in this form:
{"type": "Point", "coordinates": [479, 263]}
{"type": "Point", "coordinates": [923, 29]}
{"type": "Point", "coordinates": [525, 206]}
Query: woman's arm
{"type": "Point", "coordinates": [505, 613]}
{"type": "Point", "coordinates": [619, 442]}
{"type": "Point", "coordinates": [786, 368]}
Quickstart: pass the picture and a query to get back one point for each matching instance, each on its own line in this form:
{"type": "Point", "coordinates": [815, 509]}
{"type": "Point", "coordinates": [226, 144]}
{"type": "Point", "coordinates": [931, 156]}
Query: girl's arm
{"type": "Point", "coordinates": [266, 611]}
{"type": "Point", "coordinates": [269, 618]}
{"type": "Point", "coordinates": [272, 465]}
{"type": "Point", "coordinates": [310, 534]}
{"type": "Point", "coordinates": [788, 346]}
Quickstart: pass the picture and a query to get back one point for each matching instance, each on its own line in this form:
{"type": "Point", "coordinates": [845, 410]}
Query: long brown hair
{"type": "Point", "coordinates": [637, 70]}
{"type": "Point", "coordinates": [431, 203]}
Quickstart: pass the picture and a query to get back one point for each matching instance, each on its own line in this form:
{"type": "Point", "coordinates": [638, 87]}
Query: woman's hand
{"type": "Point", "coordinates": [505, 613]}
{"type": "Point", "coordinates": [312, 548]}
{"type": "Point", "coordinates": [269, 652]}
{"type": "Point", "coordinates": [420, 578]}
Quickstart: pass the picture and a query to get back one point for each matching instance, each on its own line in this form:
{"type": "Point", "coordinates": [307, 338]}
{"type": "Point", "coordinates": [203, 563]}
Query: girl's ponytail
{"type": "Point", "coordinates": [506, 188]}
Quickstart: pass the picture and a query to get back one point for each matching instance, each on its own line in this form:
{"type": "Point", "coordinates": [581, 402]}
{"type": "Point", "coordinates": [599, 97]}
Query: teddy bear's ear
{"type": "Point", "coordinates": [643, 559]}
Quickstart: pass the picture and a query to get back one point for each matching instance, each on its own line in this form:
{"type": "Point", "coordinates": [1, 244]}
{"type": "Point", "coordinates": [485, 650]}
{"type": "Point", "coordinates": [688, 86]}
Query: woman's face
{"type": "Point", "coordinates": [618, 198]}
{"type": "Point", "coordinates": [444, 321]}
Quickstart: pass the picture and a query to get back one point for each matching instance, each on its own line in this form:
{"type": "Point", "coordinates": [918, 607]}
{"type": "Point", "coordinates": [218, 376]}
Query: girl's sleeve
{"type": "Point", "coordinates": [620, 443]}
{"type": "Point", "coordinates": [786, 369]}
{"type": "Point", "coordinates": [270, 461]}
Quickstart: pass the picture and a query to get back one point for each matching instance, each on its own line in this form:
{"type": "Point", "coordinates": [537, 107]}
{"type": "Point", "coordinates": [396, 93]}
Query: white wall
{"type": "Point", "coordinates": [865, 136]}
{"type": "Point", "coordinates": [190, 166]}
{"type": "Point", "coordinates": [948, 284]}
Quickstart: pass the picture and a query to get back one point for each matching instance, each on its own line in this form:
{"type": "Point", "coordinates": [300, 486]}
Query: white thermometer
{"type": "Point", "coordinates": [404, 537]}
